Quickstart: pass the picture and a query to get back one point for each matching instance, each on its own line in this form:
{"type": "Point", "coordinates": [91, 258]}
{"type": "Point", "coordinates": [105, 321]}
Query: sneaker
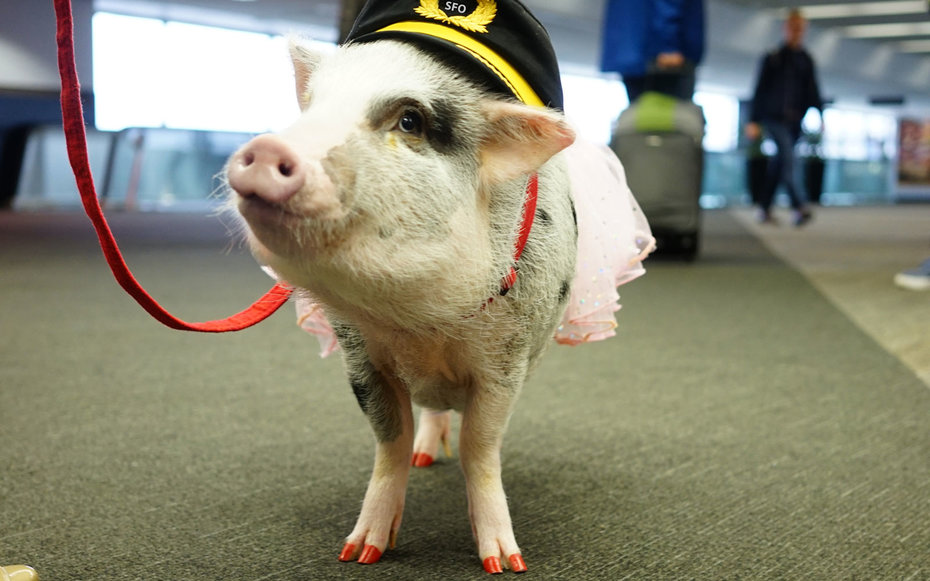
{"type": "Point", "coordinates": [766, 217]}
{"type": "Point", "coordinates": [802, 217]}
{"type": "Point", "coordinates": [915, 278]}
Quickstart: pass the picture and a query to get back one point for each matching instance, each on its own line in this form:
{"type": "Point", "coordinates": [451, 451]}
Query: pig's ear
{"type": "Point", "coordinates": [305, 62]}
{"type": "Point", "coordinates": [520, 139]}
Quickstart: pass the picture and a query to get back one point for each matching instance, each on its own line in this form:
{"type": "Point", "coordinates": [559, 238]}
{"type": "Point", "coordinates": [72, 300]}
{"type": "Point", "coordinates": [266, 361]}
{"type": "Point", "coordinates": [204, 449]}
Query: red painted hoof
{"type": "Point", "coordinates": [370, 555]}
{"type": "Point", "coordinates": [422, 460]}
{"type": "Point", "coordinates": [347, 552]}
{"type": "Point", "coordinates": [493, 565]}
{"type": "Point", "coordinates": [517, 563]}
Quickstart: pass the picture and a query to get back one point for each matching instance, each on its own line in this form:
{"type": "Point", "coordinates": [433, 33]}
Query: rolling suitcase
{"type": "Point", "coordinates": [658, 139]}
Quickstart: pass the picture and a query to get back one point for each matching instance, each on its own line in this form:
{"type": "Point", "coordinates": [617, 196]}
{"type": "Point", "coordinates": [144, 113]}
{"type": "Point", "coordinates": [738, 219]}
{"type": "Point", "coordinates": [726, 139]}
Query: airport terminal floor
{"type": "Point", "coordinates": [763, 413]}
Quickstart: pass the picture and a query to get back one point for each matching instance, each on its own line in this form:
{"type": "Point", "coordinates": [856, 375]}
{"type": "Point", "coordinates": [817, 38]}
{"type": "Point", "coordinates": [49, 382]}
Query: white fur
{"type": "Point", "coordinates": [415, 246]}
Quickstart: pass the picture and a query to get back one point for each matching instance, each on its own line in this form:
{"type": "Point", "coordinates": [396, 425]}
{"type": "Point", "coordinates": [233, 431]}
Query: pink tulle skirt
{"type": "Point", "coordinates": [613, 239]}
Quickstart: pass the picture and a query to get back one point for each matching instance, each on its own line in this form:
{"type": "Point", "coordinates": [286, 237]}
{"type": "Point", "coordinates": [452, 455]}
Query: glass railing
{"type": "Point", "coordinates": [45, 178]}
{"type": "Point", "coordinates": [172, 169]}
{"type": "Point", "coordinates": [845, 182]}
{"type": "Point", "coordinates": [138, 168]}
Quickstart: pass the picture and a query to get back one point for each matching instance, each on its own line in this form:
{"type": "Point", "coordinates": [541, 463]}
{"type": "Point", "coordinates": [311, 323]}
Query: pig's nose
{"type": "Point", "coordinates": [266, 167]}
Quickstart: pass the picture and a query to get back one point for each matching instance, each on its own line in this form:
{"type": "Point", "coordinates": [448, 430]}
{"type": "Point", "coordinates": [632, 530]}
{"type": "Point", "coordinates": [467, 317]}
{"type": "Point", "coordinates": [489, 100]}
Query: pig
{"type": "Point", "coordinates": [394, 202]}
{"type": "Point", "coordinates": [393, 206]}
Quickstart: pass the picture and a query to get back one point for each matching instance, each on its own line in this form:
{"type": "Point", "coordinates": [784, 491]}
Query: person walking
{"type": "Point", "coordinates": [654, 45]}
{"type": "Point", "coordinates": [786, 88]}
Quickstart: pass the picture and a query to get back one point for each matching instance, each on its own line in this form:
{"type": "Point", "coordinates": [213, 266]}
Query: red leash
{"type": "Point", "coordinates": [529, 213]}
{"type": "Point", "coordinates": [73, 119]}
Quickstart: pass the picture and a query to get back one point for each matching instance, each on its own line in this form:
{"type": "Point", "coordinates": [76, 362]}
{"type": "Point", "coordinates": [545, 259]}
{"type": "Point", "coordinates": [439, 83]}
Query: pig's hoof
{"type": "Point", "coordinates": [493, 566]}
{"type": "Point", "coordinates": [434, 429]}
{"type": "Point", "coordinates": [348, 553]}
{"type": "Point", "coordinates": [369, 555]}
{"type": "Point", "coordinates": [517, 564]}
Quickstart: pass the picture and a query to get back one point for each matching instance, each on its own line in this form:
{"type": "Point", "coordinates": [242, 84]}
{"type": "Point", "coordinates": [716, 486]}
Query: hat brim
{"type": "Point", "coordinates": [478, 61]}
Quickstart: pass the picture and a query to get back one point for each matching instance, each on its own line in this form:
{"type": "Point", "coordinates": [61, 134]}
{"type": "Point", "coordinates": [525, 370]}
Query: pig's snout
{"type": "Point", "coordinates": [266, 167]}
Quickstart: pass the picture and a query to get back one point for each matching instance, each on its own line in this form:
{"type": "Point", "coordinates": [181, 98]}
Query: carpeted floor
{"type": "Point", "coordinates": [851, 254]}
{"type": "Point", "coordinates": [739, 427]}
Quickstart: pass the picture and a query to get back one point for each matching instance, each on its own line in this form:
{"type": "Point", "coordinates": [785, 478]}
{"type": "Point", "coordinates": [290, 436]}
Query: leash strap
{"type": "Point", "coordinates": [76, 139]}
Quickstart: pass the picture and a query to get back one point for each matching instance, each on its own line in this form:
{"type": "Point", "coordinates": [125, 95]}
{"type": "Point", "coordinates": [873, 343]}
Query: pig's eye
{"type": "Point", "coordinates": [411, 122]}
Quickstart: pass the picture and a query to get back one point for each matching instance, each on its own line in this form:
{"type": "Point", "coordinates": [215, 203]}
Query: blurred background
{"type": "Point", "coordinates": [172, 88]}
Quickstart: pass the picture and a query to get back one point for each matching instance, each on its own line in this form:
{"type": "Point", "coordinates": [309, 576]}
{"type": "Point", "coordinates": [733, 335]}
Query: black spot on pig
{"type": "Point", "coordinates": [375, 396]}
{"type": "Point", "coordinates": [376, 399]}
{"type": "Point", "coordinates": [440, 128]}
{"type": "Point", "coordinates": [362, 390]}
{"type": "Point", "coordinates": [571, 204]}
{"type": "Point", "coordinates": [543, 217]}
{"type": "Point", "coordinates": [564, 290]}
{"type": "Point", "coordinates": [349, 338]}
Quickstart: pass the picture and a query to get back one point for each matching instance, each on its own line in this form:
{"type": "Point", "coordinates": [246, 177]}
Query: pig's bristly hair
{"type": "Point", "coordinates": [428, 236]}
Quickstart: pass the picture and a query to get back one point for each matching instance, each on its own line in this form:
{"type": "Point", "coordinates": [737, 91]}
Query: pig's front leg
{"type": "Point", "coordinates": [434, 429]}
{"type": "Point", "coordinates": [386, 402]}
{"type": "Point", "coordinates": [483, 424]}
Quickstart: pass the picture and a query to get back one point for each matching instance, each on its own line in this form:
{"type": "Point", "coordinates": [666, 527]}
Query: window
{"type": "Point", "coordinates": [152, 73]}
{"type": "Point", "coordinates": [856, 135]}
{"type": "Point", "coordinates": [721, 113]}
{"type": "Point", "coordinates": [592, 104]}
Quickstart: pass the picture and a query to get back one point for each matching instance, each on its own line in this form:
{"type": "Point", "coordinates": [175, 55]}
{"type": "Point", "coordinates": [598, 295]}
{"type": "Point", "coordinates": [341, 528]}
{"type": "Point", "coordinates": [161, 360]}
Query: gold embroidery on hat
{"type": "Point", "coordinates": [477, 21]}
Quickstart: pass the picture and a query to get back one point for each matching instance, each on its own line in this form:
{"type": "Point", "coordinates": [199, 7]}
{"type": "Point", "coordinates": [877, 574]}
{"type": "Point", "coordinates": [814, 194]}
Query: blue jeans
{"type": "Point", "coordinates": [781, 166]}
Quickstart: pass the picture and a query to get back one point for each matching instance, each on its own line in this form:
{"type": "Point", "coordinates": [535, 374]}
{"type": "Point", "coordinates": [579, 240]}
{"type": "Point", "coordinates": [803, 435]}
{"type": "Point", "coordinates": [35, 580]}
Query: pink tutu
{"type": "Point", "coordinates": [613, 239]}
{"type": "Point", "coordinates": [311, 319]}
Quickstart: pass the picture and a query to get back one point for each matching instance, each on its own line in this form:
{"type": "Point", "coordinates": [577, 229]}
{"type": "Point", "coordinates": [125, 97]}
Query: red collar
{"type": "Point", "coordinates": [529, 214]}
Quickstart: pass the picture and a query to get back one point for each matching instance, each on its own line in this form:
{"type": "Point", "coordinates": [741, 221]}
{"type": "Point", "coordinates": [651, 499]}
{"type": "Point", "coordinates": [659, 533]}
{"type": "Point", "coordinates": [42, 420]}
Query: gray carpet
{"type": "Point", "coordinates": [739, 427]}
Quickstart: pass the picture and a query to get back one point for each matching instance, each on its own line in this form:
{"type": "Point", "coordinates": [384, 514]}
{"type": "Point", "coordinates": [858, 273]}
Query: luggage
{"type": "Point", "coordinates": [813, 178]}
{"type": "Point", "coordinates": [813, 166]}
{"type": "Point", "coordinates": [757, 166]}
{"type": "Point", "coordinates": [756, 169]}
{"type": "Point", "coordinates": [658, 139]}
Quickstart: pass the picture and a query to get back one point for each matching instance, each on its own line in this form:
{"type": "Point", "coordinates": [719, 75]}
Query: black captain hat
{"type": "Point", "coordinates": [500, 40]}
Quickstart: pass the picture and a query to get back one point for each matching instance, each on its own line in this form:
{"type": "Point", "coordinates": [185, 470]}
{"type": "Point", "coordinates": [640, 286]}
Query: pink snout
{"type": "Point", "coordinates": [266, 167]}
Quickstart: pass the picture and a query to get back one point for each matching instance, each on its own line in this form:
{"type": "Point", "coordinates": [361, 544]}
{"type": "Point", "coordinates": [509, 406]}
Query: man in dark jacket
{"type": "Point", "coordinates": [654, 44]}
{"type": "Point", "coordinates": [786, 88]}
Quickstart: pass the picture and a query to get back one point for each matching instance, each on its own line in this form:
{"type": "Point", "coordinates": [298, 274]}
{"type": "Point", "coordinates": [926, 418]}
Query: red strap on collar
{"type": "Point", "coordinates": [529, 214]}
{"type": "Point", "coordinates": [73, 120]}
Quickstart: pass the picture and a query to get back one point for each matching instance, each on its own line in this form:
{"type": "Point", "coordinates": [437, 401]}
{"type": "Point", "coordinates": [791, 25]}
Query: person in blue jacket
{"type": "Point", "coordinates": [654, 45]}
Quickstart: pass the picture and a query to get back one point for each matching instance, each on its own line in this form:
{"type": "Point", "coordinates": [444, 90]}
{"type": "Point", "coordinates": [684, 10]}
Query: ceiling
{"type": "Point", "coordinates": [853, 70]}
{"type": "Point", "coordinates": [841, 13]}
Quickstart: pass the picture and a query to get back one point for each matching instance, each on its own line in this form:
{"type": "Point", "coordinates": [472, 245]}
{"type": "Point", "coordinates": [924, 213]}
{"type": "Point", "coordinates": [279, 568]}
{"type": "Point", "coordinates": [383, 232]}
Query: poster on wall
{"type": "Point", "coordinates": [914, 155]}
